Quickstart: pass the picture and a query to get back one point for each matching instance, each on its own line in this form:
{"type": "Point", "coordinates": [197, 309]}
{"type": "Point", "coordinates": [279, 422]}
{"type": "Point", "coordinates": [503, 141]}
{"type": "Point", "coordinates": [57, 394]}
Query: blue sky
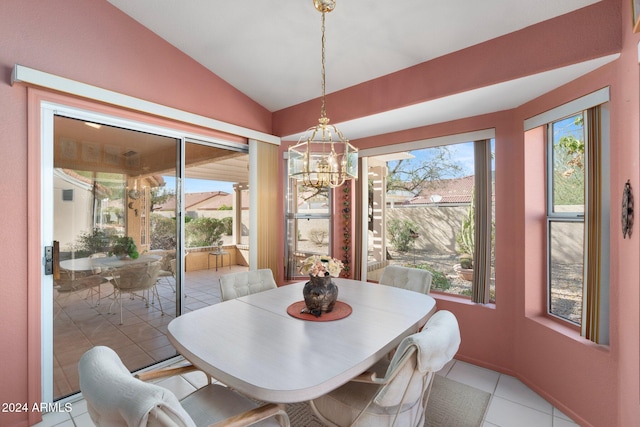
{"type": "Point", "coordinates": [462, 154]}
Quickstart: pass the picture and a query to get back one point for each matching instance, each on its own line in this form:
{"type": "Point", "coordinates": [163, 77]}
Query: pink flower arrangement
{"type": "Point", "coordinates": [321, 265]}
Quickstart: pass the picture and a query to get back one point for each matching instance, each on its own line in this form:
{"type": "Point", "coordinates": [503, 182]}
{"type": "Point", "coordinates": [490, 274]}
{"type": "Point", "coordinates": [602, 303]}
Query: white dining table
{"type": "Point", "coordinates": [253, 345]}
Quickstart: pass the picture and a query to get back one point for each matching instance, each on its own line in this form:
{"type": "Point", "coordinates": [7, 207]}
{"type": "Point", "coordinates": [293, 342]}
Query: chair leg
{"type": "Point", "coordinates": [173, 286]}
{"type": "Point", "coordinates": [117, 299]}
{"type": "Point", "coordinates": [154, 292]}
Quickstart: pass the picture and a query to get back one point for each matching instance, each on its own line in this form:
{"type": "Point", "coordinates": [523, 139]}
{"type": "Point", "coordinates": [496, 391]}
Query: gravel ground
{"type": "Point", "coordinates": [567, 288]}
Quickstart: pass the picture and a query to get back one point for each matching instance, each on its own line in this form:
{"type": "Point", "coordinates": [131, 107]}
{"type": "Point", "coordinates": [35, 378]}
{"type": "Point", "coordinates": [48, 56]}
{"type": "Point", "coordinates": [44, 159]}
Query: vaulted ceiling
{"type": "Point", "coordinates": [271, 50]}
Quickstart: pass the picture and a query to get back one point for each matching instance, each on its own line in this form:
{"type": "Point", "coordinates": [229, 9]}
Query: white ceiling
{"type": "Point", "coordinates": [270, 50]}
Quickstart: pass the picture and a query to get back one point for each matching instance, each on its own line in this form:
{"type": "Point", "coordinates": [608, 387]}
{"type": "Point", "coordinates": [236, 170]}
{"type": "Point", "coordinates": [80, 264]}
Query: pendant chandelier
{"type": "Point", "coordinates": [323, 157]}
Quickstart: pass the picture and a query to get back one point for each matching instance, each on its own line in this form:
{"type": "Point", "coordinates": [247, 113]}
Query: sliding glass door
{"type": "Point", "coordinates": [107, 182]}
{"type": "Point", "coordinates": [140, 222]}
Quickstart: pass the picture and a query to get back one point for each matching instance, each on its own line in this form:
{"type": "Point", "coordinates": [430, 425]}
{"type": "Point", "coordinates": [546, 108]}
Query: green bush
{"type": "Point", "coordinates": [163, 232]}
{"type": "Point", "coordinates": [439, 280]}
{"type": "Point", "coordinates": [97, 240]}
{"type": "Point", "coordinates": [228, 225]}
{"type": "Point", "coordinates": [203, 232]}
{"type": "Point", "coordinates": [399, 232]}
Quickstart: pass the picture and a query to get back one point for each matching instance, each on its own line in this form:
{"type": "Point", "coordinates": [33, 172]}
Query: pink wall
{"type": "Point", "coordinates": [596, 385]}
{"type": "Point", "coordinates": [514, 336]}
{"type": "Point", "coordinates": [89, 41]}
{"type": "Point", "coordinates": [92, 42]}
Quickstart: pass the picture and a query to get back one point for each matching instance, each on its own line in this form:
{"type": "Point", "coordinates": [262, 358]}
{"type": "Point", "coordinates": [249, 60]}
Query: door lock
{"type": "Point", "coordinates": [48, 260]}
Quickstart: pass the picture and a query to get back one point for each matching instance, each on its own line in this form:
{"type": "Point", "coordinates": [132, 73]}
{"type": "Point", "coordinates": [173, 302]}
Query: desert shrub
{"type": "Point", "coordinates": [399, 232]}
{"type": "Point", "coordinates": [439, 280]}
{"type": "Point", "coordinates": [318, 236]}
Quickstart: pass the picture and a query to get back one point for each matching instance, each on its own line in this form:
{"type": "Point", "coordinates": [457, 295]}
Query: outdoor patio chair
{"type": "Point", "coordinates": [135, 280]}
{"type": "Point", "coordinates": [394, 393]}
{"type": "Point", "coordinates": [69, 283]}
{"type": "Point", "coordinates": [236, 285]}
{"type": "Point", "coordinates": [97, 269]}
{"type": "Point", "coordinates": [413, 279]}
{"type": "Point", "coordinates": [165, 266]}
{"type": "Point", "coordinates": [116, 398]}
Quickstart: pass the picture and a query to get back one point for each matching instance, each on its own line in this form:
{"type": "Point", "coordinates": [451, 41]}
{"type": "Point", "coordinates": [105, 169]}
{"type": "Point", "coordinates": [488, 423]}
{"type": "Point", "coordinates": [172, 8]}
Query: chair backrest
{"type": "Point", "coordinates": [413, 279]}
{"type": "Point", "coordinates": [417, 358]}
{"type": "Point", "coordinates": [95, 268]}
{"type": "Point", "coordinates": [236, 285]}
{"type": "Point", "coordinates": [115, 398]}
{"type": "Point", "coordinates": [137, 277]}
{"type": "Point", "coordinates": [172, 266]}
{"type": "Point", "coordinates": [81, 282]}
{"type": "Point", "coordinates": [167, 256]}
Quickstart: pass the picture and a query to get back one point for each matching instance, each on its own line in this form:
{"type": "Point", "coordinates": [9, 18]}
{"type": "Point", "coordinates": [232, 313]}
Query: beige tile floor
{"type": "Point", "coordinates": [142, 341]}
{"type": "Point", "coordinates": [512, 403]}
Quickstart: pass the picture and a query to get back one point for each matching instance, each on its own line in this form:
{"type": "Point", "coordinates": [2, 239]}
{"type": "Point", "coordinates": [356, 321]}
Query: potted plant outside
{"type": "Point", "coordinates": [465, 267]}
{"type": "Point", "coordinates": [123, 247]}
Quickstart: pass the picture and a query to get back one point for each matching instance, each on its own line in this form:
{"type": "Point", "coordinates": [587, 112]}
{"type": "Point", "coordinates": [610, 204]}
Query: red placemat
{"type": "Point", "coordinates": [340, 311]}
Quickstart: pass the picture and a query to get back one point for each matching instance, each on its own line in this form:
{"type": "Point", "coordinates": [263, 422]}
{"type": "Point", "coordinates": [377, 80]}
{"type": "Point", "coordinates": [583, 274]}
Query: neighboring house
{"type": "Point", "coordinates": [445, 192]}
{"type": "Point", "coordinates": [203, 204]}
{"type": "Point", "coordinates": [73, 198]}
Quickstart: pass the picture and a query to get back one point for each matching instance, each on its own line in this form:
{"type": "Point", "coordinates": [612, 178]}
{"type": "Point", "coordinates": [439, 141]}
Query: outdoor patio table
{"type": "Point", "coordinates": [217, 254]}
{"type": "Point", "coordinates": [252, 345]}
{"type": "Point", "coordinates": [88, 264]}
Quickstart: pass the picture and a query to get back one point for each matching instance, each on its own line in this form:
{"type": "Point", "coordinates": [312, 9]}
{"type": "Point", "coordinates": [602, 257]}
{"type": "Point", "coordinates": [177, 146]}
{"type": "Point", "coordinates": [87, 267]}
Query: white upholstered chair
{"type": "Point", "coordinates": [394, 393]}
{"type": "Point", "coordinates": [413, 279]}
{"type": "Point", "coordinates": [236, 285]}
{"type": "Point", "coordinates": [116, 398]}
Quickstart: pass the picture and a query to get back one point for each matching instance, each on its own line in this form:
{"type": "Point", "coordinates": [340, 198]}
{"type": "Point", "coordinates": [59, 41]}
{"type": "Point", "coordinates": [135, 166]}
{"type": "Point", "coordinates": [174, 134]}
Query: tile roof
{"type": "Point", "coordinates": [445, 191]}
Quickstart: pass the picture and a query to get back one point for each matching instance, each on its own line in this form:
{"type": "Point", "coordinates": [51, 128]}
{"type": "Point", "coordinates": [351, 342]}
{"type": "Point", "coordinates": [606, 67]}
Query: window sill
{"type": "Point", "coordinates": [570, 331]}
{"type": "Point", "coordinates": [459, 299]}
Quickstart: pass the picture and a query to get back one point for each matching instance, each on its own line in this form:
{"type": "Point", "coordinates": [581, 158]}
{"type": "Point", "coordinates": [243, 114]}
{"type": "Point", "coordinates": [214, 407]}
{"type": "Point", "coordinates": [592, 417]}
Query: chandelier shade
{"type": "Point", "coordinates": [323, 157]}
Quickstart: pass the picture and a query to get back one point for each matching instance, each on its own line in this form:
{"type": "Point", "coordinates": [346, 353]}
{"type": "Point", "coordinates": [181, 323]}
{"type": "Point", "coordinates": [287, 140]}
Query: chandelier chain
{"type": "Point", "coordinates": [323, 157]}
{"type": "Point", "coordinates": [323, 110]}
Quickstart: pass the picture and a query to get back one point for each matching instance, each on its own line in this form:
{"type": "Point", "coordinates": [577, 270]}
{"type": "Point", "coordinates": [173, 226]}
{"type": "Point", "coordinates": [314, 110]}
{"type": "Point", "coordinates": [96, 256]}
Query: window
{"type": "Point", "coordinates": [577, 219]}
{"type": "Point", "coordinates": [308, 225]}
{"type": "Point", "coordinates": [432, 207]}
{"type": "Point", "coordinates": [565, 216]}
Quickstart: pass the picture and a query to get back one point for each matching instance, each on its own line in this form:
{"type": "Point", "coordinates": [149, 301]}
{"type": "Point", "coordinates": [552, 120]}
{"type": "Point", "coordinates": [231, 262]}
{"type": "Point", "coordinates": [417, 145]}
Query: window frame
{"type": "Point", "coordinates": [473, 137]}
{"type": "Point", "coordinates": [290, 216]}
{"type": "Point", "coordinates": [561, 217]}
{"type": "Point", "coordinates": [596, 302]}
